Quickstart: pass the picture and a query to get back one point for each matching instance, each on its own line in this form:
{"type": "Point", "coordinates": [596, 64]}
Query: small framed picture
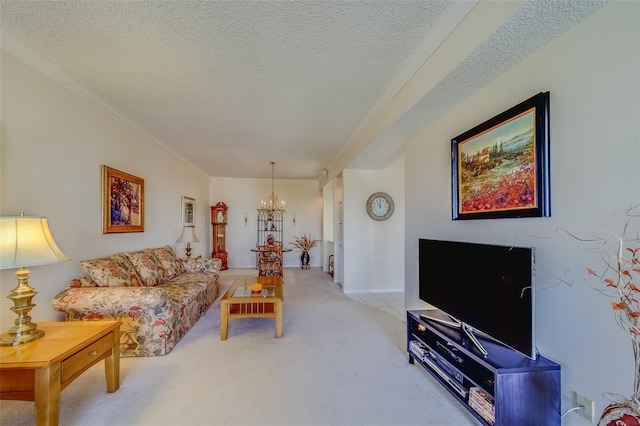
{"type": "Point", "coordinates": [500, 168]}
{"type": "Point", "coordinates": [188, 211]}
{"type": "Point", "coordinates": [122, 202]}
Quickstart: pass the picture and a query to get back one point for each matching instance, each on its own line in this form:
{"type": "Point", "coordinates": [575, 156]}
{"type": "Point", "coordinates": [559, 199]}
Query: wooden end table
{"type": "Point", "coordinates": [38, 371]}
{"type": "Point", "coordinates": [239, 302]}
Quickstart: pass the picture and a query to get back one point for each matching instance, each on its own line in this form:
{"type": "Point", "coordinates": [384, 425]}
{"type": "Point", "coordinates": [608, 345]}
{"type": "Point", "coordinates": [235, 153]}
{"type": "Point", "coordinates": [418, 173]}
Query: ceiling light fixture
{"type": "Point", "coordinates": [272, 205]}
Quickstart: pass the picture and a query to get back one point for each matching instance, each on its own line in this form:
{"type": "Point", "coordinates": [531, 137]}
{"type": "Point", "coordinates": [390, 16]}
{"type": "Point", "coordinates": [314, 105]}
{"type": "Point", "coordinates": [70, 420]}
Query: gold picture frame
{"type": "Point", "coordinates": [122, 202]}
{"type": "Point", "coordinates": [188, 211]}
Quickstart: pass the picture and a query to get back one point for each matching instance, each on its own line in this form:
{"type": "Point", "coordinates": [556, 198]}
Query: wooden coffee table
{"type": "Point", "coordinates": [39, 370]}
{"type": "Point", "coordinates": [240, 302]}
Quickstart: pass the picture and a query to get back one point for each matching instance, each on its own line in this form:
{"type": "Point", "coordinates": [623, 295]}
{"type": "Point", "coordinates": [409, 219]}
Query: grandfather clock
{"type": "Point", "coordinates": [219, 222]}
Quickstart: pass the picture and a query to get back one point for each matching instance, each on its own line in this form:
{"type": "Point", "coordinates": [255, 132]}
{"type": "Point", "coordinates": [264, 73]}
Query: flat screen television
{"type": "Point", "coordinates": [486, 290]}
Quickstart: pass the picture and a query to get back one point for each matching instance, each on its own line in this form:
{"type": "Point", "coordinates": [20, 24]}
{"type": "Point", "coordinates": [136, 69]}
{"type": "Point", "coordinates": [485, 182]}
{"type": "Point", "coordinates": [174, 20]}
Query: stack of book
{"type": "Point", "coordinates": [482, 403]}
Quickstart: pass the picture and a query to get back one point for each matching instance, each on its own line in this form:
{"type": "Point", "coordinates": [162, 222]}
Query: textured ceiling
{"type": "Point", "coordinates": [232, 85]}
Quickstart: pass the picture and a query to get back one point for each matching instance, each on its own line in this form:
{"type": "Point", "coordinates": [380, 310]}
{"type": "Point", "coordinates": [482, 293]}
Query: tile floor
{"type": "Point", "coordinates": [392, 303]}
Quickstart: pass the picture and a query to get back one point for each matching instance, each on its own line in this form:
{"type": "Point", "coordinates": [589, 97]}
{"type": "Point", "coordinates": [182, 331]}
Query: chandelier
{"type": "Point", "coordinates": [272, 204]}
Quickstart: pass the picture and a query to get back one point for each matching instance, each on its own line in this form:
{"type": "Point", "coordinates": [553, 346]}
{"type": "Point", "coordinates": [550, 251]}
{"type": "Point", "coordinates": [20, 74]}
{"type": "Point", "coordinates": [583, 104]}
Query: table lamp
{"type": "Point", "coordinates": [25, 241]}
{"type": "Point", "coordinates": [188, 236]}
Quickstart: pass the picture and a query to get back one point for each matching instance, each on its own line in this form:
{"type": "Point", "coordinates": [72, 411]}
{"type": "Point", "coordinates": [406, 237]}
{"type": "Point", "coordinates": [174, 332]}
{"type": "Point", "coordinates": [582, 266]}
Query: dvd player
{"type": "Point", "coordinates": [445, 365]}
{"type": "Point", "coordinates": [460, 390]}
{"type": "Point", "coordinates": [441, 366]}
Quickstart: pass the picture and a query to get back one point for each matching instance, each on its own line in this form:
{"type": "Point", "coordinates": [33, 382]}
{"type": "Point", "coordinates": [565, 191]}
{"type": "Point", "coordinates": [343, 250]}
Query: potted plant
{"type": "Point", "coordinates": [304, 244]}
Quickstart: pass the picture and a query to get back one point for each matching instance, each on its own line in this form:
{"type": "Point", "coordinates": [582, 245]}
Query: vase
{"type": "Point", "coordinates": [620, 414]}
{"type": "Point", "coordinates": [304, 260]}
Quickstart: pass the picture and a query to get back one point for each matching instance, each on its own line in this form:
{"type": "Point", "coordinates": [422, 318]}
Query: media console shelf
{"type": "Point", "coordinates": [504, 388]}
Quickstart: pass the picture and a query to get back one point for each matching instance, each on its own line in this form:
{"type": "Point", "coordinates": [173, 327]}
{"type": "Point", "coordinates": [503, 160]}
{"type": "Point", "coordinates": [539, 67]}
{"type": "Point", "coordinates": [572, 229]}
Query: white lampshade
{"type": "Point", "coordinates": [27, 241]}
{"type": "Point", "coordinates": [188, 235]}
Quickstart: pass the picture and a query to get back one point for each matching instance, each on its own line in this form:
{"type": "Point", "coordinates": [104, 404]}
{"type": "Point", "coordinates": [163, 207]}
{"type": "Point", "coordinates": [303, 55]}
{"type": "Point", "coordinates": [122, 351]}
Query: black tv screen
{"type": "Point", "coordinates": [487, 287]}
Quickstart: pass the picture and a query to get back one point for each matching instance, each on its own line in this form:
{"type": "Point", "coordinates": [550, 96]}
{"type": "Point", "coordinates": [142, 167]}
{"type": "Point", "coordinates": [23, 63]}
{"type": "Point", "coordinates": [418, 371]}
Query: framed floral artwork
{"type": "Point", "coordinates": [500, 168]}
{"type": "Point", "coordinates": [188, 211]}
{"type": "Point", "coordinates": [122, 202]}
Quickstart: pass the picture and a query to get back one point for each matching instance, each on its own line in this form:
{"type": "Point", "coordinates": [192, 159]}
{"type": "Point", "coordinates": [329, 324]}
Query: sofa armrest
{"type": "Point", "coordinates": [111, 301]}
{"type": "Point", "coordinates": [202, 264]}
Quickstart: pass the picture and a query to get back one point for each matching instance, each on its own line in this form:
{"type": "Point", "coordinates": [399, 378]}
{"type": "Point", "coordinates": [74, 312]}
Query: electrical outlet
{"type": "Point", "coordinates": [589, 409]}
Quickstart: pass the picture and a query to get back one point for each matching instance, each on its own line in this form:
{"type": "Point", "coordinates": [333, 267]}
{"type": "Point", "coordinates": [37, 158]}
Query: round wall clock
{"type": "Point", "coordinates": [380, 206]}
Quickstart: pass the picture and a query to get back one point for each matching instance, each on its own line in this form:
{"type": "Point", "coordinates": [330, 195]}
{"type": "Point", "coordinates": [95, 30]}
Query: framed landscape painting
{"type": "Point", "coordinates": [500, 168]}
{"type": "Point", "coordinates": [122, 202]}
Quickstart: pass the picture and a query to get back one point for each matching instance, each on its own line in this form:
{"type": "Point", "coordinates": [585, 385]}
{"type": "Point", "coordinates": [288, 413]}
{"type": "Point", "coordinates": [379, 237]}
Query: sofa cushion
{"type": "Point", "coordinates": [172, 266]}
{"type": "Point", "coordinates": [112, 271]}
{"type": "Point", "coordinates": [82, 281]}
{"type": "Point", "coordinates": [148, 266]}
{"type": "Point", "coordinates": [201, 264]}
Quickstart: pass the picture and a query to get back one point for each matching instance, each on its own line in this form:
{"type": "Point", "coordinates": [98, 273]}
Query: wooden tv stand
{"type": "Point", "coordinates": [502, 389]}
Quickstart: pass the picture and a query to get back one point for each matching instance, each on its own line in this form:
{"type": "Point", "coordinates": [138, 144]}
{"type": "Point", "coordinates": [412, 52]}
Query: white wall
{"type": "Point", "coordinates": [302, 197]}
{"type": "Point", "coordinates": [373, 250]}
{"type": "Point", "coordinates": [53, 146]}
{"type": "Point", "coordinates": [328, 229]}
{"type": "Point", "coordinates": [592, 74]}
{"type": "Point", "coordinates": [338, 230]}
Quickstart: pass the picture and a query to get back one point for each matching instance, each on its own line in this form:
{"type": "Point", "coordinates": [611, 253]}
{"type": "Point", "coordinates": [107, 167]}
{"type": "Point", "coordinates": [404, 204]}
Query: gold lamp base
{"type": "Point", "coordinates": [23, 331]}
{"type": "Point", "coordinates": [11, 338]}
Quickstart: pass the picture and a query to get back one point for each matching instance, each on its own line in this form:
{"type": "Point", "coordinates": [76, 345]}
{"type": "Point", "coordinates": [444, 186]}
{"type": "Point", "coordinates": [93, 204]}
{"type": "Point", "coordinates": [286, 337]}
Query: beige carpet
{"type": "Point", "coordinates": [339, 362]}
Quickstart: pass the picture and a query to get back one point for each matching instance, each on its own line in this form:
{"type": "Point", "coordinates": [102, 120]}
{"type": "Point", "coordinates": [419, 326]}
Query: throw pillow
{"type": "Point", "coordinates": [148, 266]}
{"type": "Point", "coordinates": [112, 271]}
{"type": "Point", "coordinates": [172, 266]}
{"type": "Point", "coordinates": [81, 281]}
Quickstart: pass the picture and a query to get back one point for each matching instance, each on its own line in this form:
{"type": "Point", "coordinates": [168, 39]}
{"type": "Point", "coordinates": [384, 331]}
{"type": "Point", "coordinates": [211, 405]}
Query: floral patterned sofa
{"type": "Point", "coordinates": [157, 296]}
